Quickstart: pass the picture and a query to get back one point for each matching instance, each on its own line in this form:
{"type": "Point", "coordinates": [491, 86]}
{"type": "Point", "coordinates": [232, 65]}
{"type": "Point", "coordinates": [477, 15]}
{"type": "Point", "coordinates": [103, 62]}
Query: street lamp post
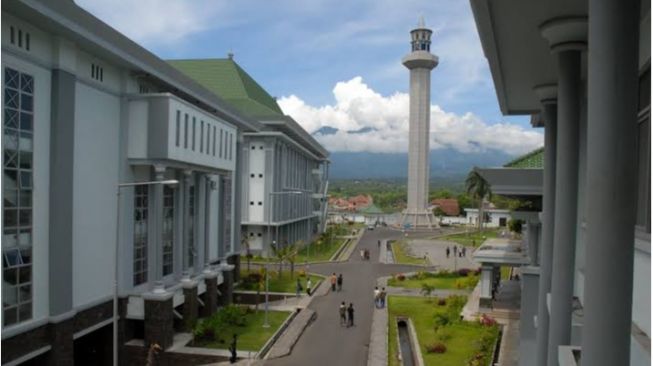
{"type": "Point", "coordinates": [115, 277]}
{"type": "Point", "coordinates": [266, 324]}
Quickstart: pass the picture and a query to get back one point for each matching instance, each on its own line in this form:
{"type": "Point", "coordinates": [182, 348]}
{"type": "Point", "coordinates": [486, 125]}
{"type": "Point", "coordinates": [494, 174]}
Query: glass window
{"type": "Point", "coordinates": [201, 136]}
{"type": "Point", "coordinates": [185, 130]}
{"type": "Point", "coordinates": [17, 196]}
{"type": "Point", "coordinates": [177, 132]}
{"type": "Point", "coordinates": [168, 230]}
{"type": "Point", "coordinates": [214, 135]}
{"type": "Point", "coordinates": [140, 234]}
{"type": "Point", "coordinates": [193, 144]}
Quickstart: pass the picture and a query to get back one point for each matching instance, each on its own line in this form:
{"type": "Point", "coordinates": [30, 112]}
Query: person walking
{"type": "Point", "coordinates": [308, 286]}
{"type": "Point", "coordinates": [343, 313]}
{"type": "Point", "coordinates": [378, 244]}
{"type": "Point", "coordinates": [455, 250]}
{"type": "Point", "coordinates": [377, 294]}
{"type": "Point", "coordinates": [464, 251]}
{"type": "Point", "coordinates": [350, 315]}
{"type": "Point", "coordinates": [298, 288]}
{"type": "Point", "coordinates": [382, 296]}
{"type": "Point", "coordinates": [448, 252]}
{"type": "Point", "coordinates": [362, 254]}
{"type": "Point", "coordinates": [340, 282]}
{"type": "Point", "coordinates": [334, 279]}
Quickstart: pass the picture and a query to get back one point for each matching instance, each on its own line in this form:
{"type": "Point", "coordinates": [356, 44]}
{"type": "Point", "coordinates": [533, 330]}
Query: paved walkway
{"type": "Point", "coordinates": [435, 250]}
{"type": "Point", "coordinates": [326, 342]}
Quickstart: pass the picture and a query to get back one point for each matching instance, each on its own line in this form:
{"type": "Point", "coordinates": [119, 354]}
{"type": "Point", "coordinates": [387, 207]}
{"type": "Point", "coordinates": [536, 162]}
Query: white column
{"type": "Point", "coordinates": [548, 95]}
{"type": "Point", "coordinates": [611, 181]}
{"type": "Point", "coordinates": [157, 197]}
{"type": "Point", "coordinates": [567, 38]}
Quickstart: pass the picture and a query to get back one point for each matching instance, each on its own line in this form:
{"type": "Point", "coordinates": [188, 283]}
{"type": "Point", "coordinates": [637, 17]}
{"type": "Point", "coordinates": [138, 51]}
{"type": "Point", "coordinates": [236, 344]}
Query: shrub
{"type": "Point", "coordinates": [301, 273]}
{"type": "Point", "coordinates": [437, 347]}
{"type": "Point", "coordinates": [487, 320]}
{"type": "Point", "coordinates": [401, 277]}
{"type": "Point", "coordinates": [427, 289]}
{"type": "Point", "coordinates": [442, 302]}
{"type": "Point", "coordinates": [443, 334]}
{"type": "Point", "coordinates": [463, 272]}
{"type": "Point", "coordinates": [441, 319]}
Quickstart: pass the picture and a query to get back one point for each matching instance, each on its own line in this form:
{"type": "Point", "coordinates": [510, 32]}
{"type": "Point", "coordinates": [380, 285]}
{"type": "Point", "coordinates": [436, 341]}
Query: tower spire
{"type": "Point", "coordinates": [420, 21]}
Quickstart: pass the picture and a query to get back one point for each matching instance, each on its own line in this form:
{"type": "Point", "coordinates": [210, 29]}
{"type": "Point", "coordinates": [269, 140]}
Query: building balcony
{"type": "Point", "coordinates": [164, 128]}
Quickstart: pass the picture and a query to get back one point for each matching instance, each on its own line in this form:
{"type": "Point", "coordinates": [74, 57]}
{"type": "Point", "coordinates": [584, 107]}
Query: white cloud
{"type": "Point", "coordinates": [154, 21]}
{"type": "Point", "coordinates": [357, 106]}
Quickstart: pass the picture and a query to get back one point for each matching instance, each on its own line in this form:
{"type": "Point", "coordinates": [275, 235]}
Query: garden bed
{"type": "Point", "coordinates": [439, 328]}
{"type": "Point", "coordinates": [217, 331]}
{"type": "Point", "coordinates": [463, 279]}
{"type": "Point", "coordinates": [402, 255]}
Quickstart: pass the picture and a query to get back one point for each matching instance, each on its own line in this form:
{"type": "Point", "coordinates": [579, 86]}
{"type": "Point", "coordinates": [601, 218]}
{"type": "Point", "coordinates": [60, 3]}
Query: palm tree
{"type": "Point", "coordinates": [244, 242]}
{"type": "Point", "coordinates": [291, 255]}
{"type": "Point", "coordinates": [478, 188]}
{"type": "Point", "coordinates": [279, 252]}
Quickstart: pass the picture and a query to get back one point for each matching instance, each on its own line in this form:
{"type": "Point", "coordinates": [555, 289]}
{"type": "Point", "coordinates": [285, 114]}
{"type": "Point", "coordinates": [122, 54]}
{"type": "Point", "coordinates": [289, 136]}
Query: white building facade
{"type": "Point", "coordinates": [84, 109]}
{"type": "Point", "coordinates": [582, 69]}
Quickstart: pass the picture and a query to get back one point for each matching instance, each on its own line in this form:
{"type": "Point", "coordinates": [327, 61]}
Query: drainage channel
{"type": "Point", "coordinates": [405, 345]}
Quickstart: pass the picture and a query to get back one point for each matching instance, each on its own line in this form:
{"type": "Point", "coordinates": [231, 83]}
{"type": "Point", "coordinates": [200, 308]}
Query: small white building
{"type": "Point", "coordinates": [493, 217]}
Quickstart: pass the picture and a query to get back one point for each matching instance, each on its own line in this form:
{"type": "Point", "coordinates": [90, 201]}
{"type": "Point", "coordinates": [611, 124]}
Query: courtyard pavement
{"type": "Point", "coordinates": [326, 342]}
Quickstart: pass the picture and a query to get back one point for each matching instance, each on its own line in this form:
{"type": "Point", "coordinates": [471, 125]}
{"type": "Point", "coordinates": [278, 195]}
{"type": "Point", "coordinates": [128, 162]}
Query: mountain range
{"type": "Point", "coordinates": [443, 163]}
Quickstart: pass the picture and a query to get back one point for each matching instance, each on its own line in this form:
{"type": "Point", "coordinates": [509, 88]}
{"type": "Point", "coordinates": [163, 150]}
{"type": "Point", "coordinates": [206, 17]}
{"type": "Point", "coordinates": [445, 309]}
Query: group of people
{"type": "Point", "coordinates": [365, 254]}
{"type": "Point", "coordinates": [299, 288]}
{"type": "Point", "coordinates": [460, 253]}
{"type": "Point", "coordinates": [336, 282]}
{"type": "Point", "coordinates": [379, 297]}
{"type": "Point", "coordinates": [346, 314]}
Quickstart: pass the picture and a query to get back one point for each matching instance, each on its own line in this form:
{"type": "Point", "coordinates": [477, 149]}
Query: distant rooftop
{"type": "Point", "coordinates": [533, 159]}
{"type": "Point", "coordinates": [229, 81]}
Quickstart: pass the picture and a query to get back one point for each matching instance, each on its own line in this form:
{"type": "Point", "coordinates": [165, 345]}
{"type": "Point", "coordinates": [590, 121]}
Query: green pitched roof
{"type": "Point", "coordinates": [371, 210]}
{"type": "Point", "coordinates": [230, 82]}
{"type": "Point", "coordinates": [534, 159]}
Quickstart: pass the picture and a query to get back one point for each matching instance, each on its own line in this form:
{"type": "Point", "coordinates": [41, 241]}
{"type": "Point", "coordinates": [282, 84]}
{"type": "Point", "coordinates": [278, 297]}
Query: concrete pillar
{"type": "Point", "coordinates": [529, 304]}
{"type": "Point", "coordinates": [156, 271]}
{"type": "Point", "coordinates": [159, 322]}
{"type": "Point", "coordinates": [186, 247]}
{"type": "Point", "coordinates": [485, 298]}
{"type": "Point", "coordinates": [567, 37]}
{"type": "Point", "coordinates": [611, 181]}
{"type": "Point", "coordinates": [548, 98]}
{"type": "Point", "coordinates": [211, 294]}
{"type": "Point", "coordinates": [227, 286]}
{"type": "Point", "coordinates": [61, 338]}
{"type": "Point", "coordinates": [191, 304]}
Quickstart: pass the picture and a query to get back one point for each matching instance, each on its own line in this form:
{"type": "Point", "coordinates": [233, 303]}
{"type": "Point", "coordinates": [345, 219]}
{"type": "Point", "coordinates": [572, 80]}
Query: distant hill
{"type": "Point", "coordinates": [444, 163]}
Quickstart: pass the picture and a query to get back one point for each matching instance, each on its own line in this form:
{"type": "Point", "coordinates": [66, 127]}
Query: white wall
{"type": "Point", "coordinates": [257, 183]}
{"type": "Point", "coordinates": [97, 117]}
{"type": "Point", "coordinates": [41, 178]}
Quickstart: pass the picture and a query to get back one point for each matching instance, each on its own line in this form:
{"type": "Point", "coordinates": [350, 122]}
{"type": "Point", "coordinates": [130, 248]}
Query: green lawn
{"type": "Point", "coordinates": [465, 337]}
{"type": "Point", "coordinates": [446, 283]}
{"type": "Point", "coordinates": [402, 255]}
{"type": "Point", "coordinates": [252, 336]}
{"type": "Point", "coordinates": [278, 283]}
{"type": "Point", "coordinates": [318, 252]}
{"type": "Point", "coordinates": [473, 238]}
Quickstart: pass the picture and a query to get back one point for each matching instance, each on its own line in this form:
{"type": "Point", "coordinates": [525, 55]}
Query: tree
{"type": "Point", "coordinates": [479, 188]}
{"type": "Point", "coordinates": [291, 255]}
{"type": "Point", "coordinates": [244, 242]}
{"type": "Point", "coordinates": [437, 212]}
{"type": "Point", "coordinates": [280, 254]}
{"type": "Point", "coordinates": [427, 289]}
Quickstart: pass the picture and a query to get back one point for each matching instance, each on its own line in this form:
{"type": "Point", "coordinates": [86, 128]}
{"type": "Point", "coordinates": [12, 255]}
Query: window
{"type": "Point", "coordinates": [231, 142]}
{"type": "Point", "coordinates": [208, 139]}
{"type": "Point", "coordinates": [191, 226]}
{"type": "Point", "coordinates": [185, 130]}
{"type": "Point", "coordinates": [214, 129]}
{"type": "Point", "coordinates": [17, 197]}
{"type": "Point", "coordinates": [140, 234]}
{"type": "Point", "coordinates": [167, 234]}
{"type": "Point", "coordinates": [220, 145]}
{"type": "Point", "coordinates": [97, 72]}
{"type": "Point", "coordinates": [193, 144]}
{"type": "Point", "coordinates": [201, 136]}
{"type": "Point", "coordinates": [177, 132]}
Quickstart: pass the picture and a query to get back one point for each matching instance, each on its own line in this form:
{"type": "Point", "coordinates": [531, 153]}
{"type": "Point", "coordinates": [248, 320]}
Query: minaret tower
{"type": "Point", "coordinates": [420, 62]}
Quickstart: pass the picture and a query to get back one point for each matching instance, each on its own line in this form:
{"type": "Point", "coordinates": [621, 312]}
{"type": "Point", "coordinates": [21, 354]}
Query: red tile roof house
{"type": "Point", "coordinates": [448, 205]}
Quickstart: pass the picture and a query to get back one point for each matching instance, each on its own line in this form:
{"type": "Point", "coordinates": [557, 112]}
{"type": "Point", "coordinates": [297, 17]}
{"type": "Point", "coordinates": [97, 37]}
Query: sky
{"type": "Point", "coordinates": [338, 64]}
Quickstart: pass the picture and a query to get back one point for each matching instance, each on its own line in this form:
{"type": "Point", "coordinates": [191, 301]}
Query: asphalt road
{"type": "Point", "coordinates": [326, 342]}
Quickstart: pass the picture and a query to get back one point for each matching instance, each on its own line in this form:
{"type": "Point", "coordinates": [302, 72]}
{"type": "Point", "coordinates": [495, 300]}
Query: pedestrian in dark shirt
{"type": "Point", "coordinates": [350, 315]}
{"type": "Point", "coordinates": [455, 250]}
{"type": "Point", "coordinates": [339, 282]}
{"type": "Point", "coordinates": [382, 296]}
{"type": "Point", "coordinates": [464, 251]}
{"type": "Point", "coordinates": [448, 252]}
